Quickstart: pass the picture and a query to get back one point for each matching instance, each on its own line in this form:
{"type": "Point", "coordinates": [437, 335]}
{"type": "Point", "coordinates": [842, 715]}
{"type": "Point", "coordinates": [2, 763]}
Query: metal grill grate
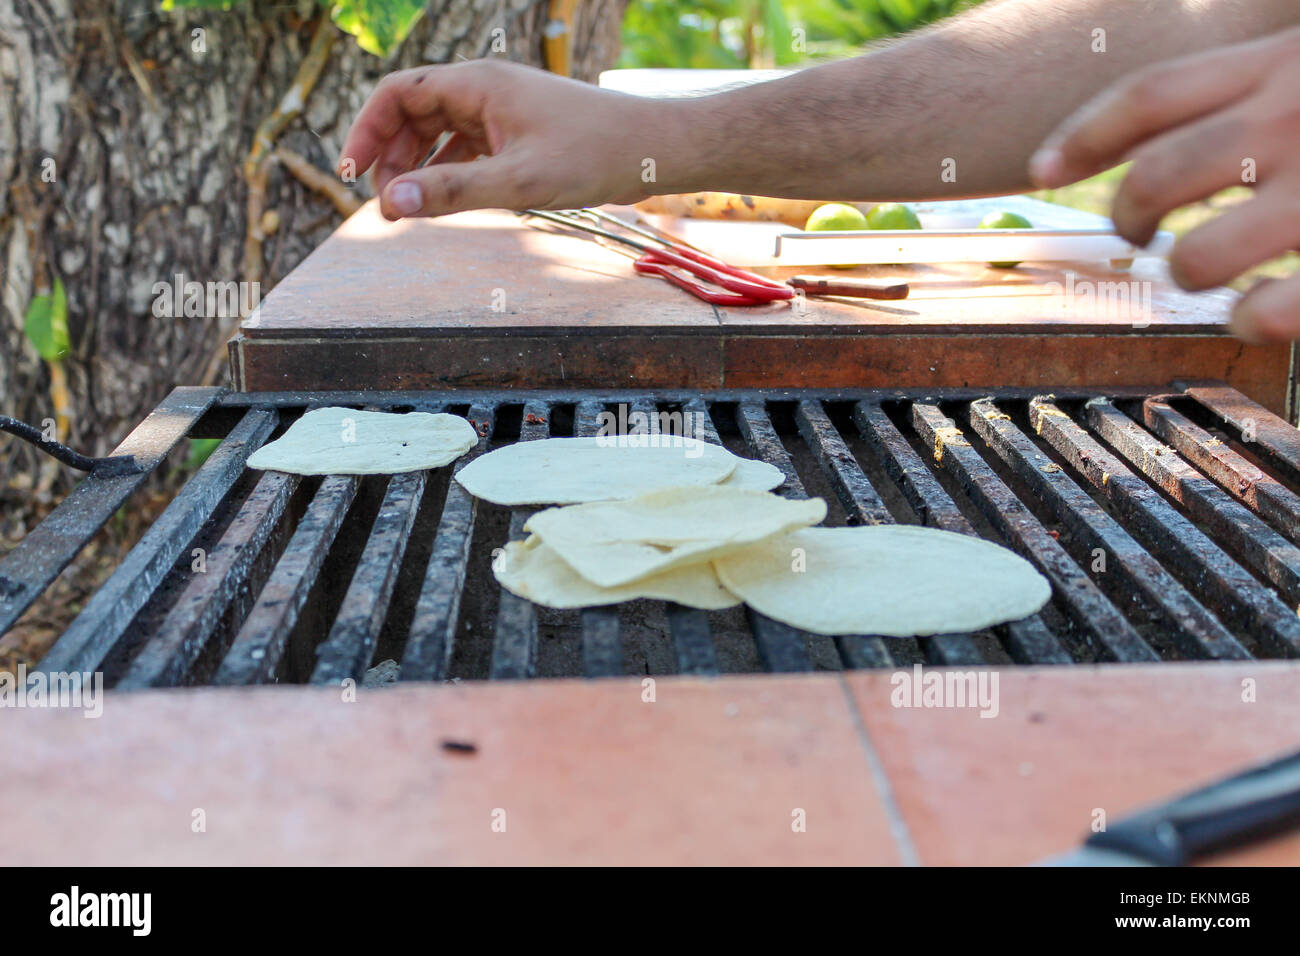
{"type": "Point", "coordinates": [1166, 523]}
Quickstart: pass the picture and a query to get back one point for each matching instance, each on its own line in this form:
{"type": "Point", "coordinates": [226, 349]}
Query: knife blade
{"type": "Point", "coordinates": [1243, 808]}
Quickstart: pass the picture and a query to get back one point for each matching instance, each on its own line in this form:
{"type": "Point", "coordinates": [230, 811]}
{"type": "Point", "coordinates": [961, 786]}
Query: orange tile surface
{"type": "Point", "coordinates": [589, 773]}
{"type": "Point", "coordinates": [1021, 786]}
{"type": "Point", "coordinates": [584, 772]}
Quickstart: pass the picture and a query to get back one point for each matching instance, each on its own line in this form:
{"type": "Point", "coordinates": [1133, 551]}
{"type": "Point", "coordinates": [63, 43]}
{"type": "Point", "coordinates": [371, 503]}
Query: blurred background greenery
{"type": "Point", "coordinates": [717, 34]}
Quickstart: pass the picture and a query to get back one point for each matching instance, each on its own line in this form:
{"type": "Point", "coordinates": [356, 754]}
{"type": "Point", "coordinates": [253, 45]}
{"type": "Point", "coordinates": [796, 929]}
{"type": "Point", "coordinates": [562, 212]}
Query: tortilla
{"type": "Point", "coordinates": [344, 441]}
{"type": "Point", "coordinates": [532, 570]}
{"type": "Point", "coordinates": [756, 475]}
{"type": "Point", "coordinates": [577, 470]}
{"type": "Point", "coordinates": [888, 580]}
{"type": "Point", "coordinates": [616, 542]}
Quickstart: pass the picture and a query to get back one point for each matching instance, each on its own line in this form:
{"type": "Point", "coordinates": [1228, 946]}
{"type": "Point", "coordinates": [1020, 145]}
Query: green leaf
{"type": "Point", "coordinates": [379, 25]}
{"type": "Point", "coordinates": [46, 323]}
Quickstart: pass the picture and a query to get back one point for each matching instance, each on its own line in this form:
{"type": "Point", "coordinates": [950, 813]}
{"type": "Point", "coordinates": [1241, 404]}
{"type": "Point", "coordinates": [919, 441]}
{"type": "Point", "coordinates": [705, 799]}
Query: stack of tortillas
{"type": "Point", "coordinates": [672, 522]}
{"type": "Point", "coordinates": [658, 545]}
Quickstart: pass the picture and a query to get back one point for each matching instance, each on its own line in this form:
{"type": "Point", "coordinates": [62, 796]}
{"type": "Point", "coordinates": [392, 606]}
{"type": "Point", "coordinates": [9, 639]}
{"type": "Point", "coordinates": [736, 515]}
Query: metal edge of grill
{"type": "Point", "coordinates": [1166, 521]}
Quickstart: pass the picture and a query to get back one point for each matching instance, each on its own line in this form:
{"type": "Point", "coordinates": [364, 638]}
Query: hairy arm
{"type": "Point", "coordinates": [982, 90]}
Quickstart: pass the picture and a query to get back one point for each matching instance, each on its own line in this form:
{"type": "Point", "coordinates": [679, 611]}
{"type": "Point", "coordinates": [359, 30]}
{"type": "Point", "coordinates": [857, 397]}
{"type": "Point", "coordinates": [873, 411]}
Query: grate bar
{"type": "Point", "coordinates": [689, 627]}
{"type": "Point", "coordinates": [781, 648]}
{"type": "Point", "coordinates": [1255, 421]}
{"type": "Point", "coordinates": [431, 643]}
{"type": "Point", "coordinates": [255, 654]}
{"type": "Point", "coordinates": [865, 506]}
{"type": "Point", "coordinates": [1028, 641]}
{"type": "Point", "coordinates": [863, 652]}
{"type": "Point", "coordinates": [602, 646]}
{"type": "Point", "coordinates": [1194, 629]}
{"type": "Point", "coordinates": [924, 494]}
{"type": "Point", "coordinates": [1276, 558]}
{"type": "Point", "coordinates": [1108, 631]}
{"type": "Point", "coordinates": [32, 565]}
{"type": "Point", "coordinates": [167, 657]}
{"type": "Point", "coordinates": [84, 645]}
{"type": "Point", "coordinates": [765, 444]}
{"type": "Point", "coordinates": [346, 652]}
{"type": "Point", "coordinates": [1217, 577]}
{"type": "Point", "coordinates": [692, 641]}
{"type": "Point", "coordinates": [514, 643]}
{"type": "Point", "coordinates": [1261, 491]}
{"type": "Point", "coordinates": [860, 500]}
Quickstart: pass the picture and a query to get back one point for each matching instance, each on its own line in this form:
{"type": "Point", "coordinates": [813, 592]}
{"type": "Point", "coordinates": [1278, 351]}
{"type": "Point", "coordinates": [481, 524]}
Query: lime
{"type": "Point", "coordinates": [1005, 220]}
{"type": "Point", "coordinates": [892, 215]}
{"type": "Point", "coordinates": [836, 217]}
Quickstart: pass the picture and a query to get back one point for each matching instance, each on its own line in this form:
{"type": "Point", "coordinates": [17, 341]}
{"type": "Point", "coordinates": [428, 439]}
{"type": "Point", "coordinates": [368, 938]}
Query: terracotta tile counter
{"type": "Point", "coordinates": [742, 770]}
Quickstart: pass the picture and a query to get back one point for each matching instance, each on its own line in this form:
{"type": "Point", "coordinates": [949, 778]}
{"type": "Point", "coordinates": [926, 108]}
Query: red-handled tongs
{"type": "Point", "coordinates": [662, 257]}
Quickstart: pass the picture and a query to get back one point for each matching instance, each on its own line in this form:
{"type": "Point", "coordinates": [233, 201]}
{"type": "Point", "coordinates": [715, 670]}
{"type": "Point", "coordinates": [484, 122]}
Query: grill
{"type": "Point", "coordinates": [1164, 519]}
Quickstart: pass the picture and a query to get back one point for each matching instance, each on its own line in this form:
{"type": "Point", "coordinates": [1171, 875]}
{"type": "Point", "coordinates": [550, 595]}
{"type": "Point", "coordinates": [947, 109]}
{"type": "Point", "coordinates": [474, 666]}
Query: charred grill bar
{"type": "Point", "coordinates": [1166, 522]}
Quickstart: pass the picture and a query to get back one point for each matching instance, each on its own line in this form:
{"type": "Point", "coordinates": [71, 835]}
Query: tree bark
{"type": "Point", "coordinates": [147, 130]}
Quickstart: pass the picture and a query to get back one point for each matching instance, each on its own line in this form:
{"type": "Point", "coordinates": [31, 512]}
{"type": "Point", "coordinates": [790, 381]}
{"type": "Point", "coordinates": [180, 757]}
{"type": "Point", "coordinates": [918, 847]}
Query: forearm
{"type": "Point", "coordinates": [955, 110]}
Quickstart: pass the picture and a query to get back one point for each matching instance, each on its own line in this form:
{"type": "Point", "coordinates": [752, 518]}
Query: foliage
{"type": "Point", "coordinates": [378, 25]}
{"type": "Point", "coordinates": [46, 323]}
{"type": "Point", "coordinates": [715, 34]}
{"type": "Point", "coordinates": [761, 33]}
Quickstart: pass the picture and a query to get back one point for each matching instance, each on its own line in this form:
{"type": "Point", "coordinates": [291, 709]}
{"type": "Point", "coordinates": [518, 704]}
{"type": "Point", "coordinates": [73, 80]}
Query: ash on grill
{"type": "Point", "coordinates": [1166, 523]}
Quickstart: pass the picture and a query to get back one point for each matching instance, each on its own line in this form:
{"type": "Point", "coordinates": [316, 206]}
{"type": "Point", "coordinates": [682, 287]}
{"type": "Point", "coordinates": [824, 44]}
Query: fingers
{"type": "Point", "coordinates": [413, 98]}
{"type": "Point", "coordinates": [404, 152]}
{"type": "Point", "coordinates": [1270, 312]}
{"type": "Point", "coordinates": [1101, 133]}
{"type": "Point", "coordinates": [1254, 232]}
{"type": "Point", "coordinates": [494, 182]}
{"type": "Point", "coordinates": [1177, 168]}
{"type": "Point", "coordinates": [458, 148]}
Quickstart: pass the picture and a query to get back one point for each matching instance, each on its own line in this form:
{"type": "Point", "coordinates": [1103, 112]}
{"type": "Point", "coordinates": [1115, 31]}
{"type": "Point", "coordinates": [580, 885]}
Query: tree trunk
{"type": "Point", "coordinates": [142, 125]}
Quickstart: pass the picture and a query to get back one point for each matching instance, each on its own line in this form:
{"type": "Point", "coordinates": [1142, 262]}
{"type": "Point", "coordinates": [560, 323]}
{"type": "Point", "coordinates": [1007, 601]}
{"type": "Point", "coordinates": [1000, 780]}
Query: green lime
{"type": "Point", "coordinates": [892, 215]}
{"type": "Point", "coordinates": [1005, 220]}
{"type": "Point", "coordinates": [836, 217]}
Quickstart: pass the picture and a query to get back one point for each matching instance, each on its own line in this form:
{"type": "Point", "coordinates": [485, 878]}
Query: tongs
{"type": "Point", "coordinates": [660, 257]}
{"type": "Point", "coordinates": [658, 254]}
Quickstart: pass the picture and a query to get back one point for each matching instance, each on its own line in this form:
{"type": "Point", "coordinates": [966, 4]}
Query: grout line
{"type": "Point", "coordinates": [897, 823]}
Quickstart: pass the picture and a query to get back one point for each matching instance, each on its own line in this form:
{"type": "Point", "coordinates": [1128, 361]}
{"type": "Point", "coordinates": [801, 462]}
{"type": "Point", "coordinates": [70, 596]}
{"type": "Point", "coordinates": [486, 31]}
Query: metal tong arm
{"type": "Point", "coordinates": [661, 252]}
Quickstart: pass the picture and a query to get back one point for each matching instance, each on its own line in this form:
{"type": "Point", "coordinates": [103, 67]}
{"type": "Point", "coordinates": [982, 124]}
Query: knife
{"type": "Point", "coordinates": [1241, 809]}
{"type": "Point", "coordinates": [850, 288]}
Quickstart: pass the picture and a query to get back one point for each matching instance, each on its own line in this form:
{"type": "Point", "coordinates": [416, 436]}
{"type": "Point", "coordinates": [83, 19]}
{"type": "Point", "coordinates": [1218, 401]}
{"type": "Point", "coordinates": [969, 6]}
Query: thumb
{"type": "Point", "coordinates": [437, 190]}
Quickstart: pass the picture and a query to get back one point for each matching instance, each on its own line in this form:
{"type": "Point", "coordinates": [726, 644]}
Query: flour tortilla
{"type": "Point", "coordinates": [344, 441]}
{"type": "Point", "coordinates": [889, 580]}
{"type": "Point", "coordinates": [757, 475]}
{"type": "Point", "coordinates": [532, 570]}
{"type": "Point", "coordinates": [576, 470]}
{"type": "Point", "coordinates": [616, 542]}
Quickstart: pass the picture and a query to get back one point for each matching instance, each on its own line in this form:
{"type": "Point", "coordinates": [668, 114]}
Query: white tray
{"type": "Point", "coordinates": [1060, 234]}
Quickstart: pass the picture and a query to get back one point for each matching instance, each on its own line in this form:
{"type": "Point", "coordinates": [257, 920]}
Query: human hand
{"type": "Point", "coordinates": [1192, 127]}
{"type": "Point", "coordinates": [546, 141]}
